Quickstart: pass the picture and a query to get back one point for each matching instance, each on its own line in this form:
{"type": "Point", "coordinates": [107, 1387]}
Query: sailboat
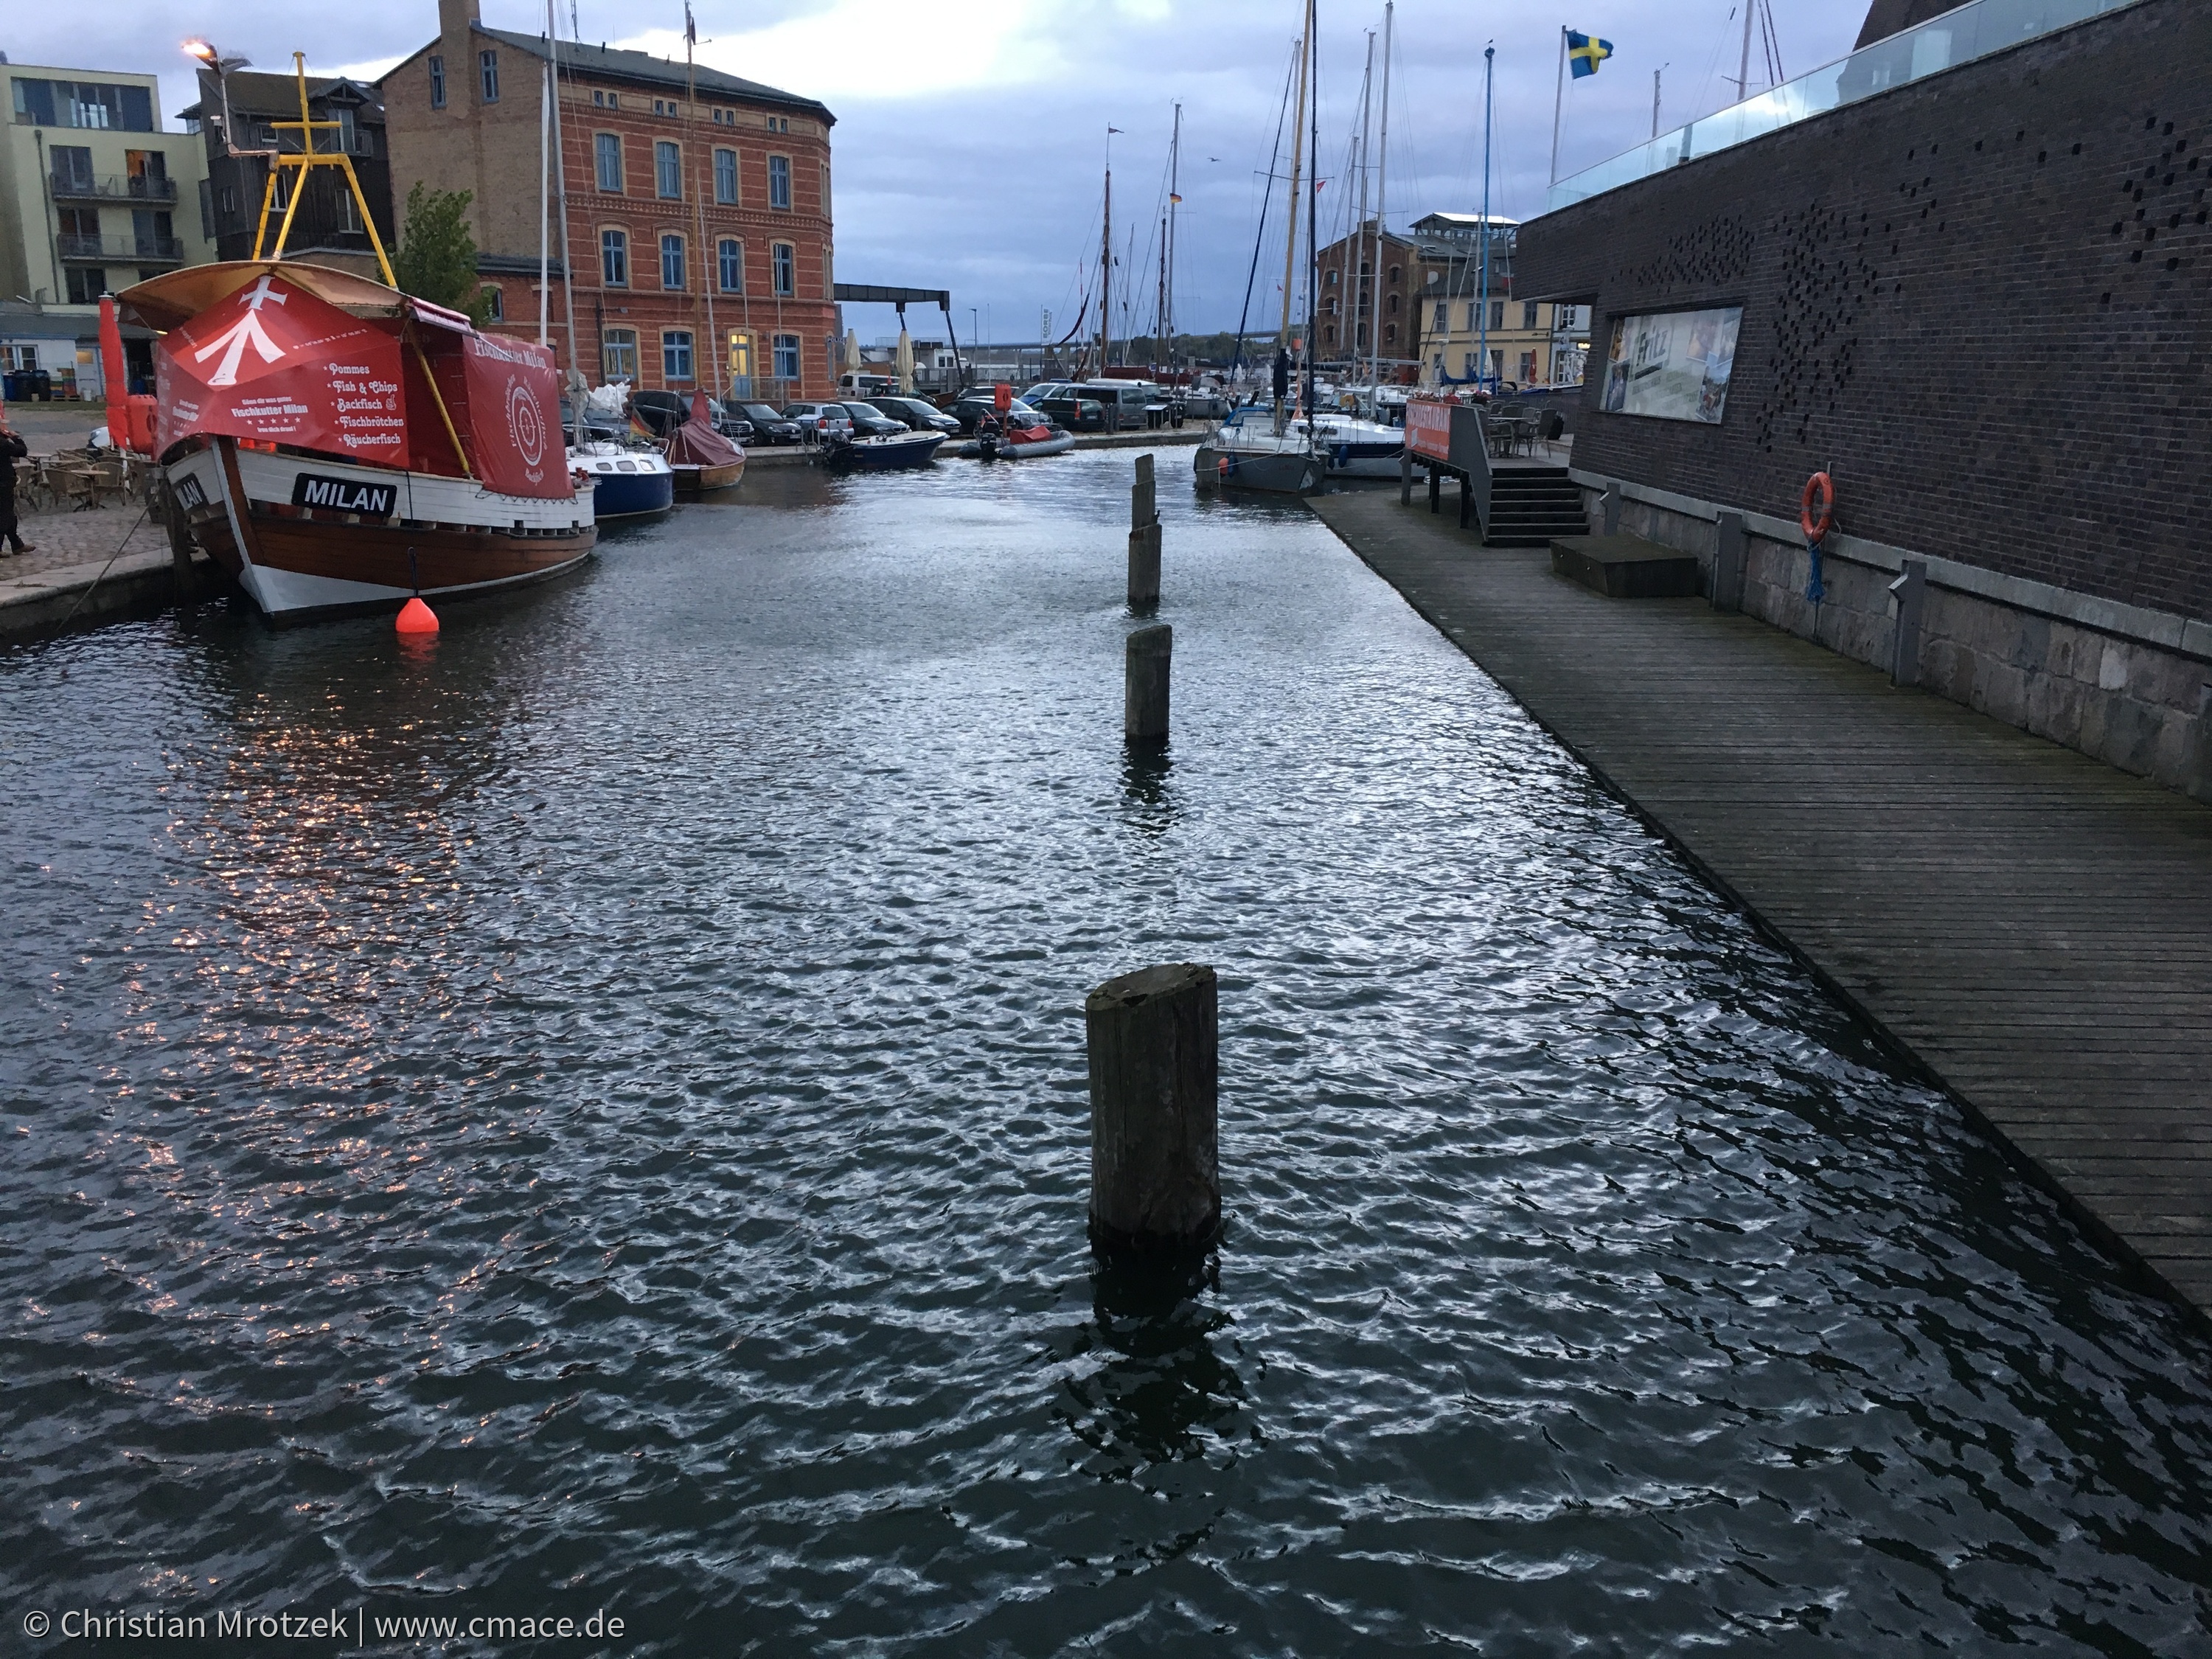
{"type": "Point", "coordinates": [336, 445]}
{"type": "Point", "coordinates": [1278, 453]}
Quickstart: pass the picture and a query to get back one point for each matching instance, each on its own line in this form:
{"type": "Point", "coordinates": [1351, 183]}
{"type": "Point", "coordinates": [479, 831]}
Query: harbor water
{"type": "Point", "coordinates": [590, 1116]}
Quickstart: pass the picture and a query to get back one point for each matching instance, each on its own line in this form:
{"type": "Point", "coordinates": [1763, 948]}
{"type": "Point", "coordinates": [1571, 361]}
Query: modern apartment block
{"type": "Point", "coordinates": [93, 197]}
{"type": "Point", "coordinates": [698, 205]}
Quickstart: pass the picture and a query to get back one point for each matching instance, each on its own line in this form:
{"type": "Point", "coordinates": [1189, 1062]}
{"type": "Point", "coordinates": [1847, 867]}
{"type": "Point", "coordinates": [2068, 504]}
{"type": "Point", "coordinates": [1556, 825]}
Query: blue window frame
{"type": "Point", "coordinates": [437, 81]}
{"type": "Point", "coordinates": [487, 74]}
{"type": "Point", "coordinates": [786, 357]}
{"type": "Point", "coordinates": [606, 152]}
{"type": "Point", "coordinates": [676, 354]}
{"type": "Point", "coordinates": [672, 260]}
{"type": "Point", "coordinates": [787, 269]}
{"type": "Point", "coordinates": [614, 258]}
{"type": "Point", "coordinates": [668, 169]}
{"type": "Point", "coordinates": [725, 177]}
{"type": "Point", "coordinates": [779, 181]}
{"type": "Point", "coordinates": [731, 263]}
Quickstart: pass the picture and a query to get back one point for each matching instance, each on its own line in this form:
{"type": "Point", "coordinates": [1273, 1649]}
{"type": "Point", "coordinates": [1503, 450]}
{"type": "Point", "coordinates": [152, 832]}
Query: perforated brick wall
{"type": "Point", "coordinates": [1980, 301]}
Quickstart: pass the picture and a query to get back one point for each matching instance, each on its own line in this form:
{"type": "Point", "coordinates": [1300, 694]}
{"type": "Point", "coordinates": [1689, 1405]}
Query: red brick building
{"type": "Point", "coordinates": [699, 225]}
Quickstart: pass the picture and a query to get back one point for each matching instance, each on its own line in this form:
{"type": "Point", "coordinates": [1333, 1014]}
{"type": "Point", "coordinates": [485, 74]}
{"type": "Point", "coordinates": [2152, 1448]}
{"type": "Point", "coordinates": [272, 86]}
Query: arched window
{"type": "Point", "coordinates": [1390, 334]}
{"type": "Point", "coordinates": [1394, 305]}
{"type": "Point", "coordinates": [1332, 279]}
{"type": "Point", "coordinates": [1329, 334]}
{"type": "Point", "coordinates": [1397, 271]}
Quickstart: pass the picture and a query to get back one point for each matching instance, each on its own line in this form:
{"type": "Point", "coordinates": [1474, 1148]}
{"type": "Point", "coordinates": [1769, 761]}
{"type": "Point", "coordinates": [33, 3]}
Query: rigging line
{"type": "Point", "coordinates": [1773, 44]}
{"type": "Point", "coordinates": [1260, 235]}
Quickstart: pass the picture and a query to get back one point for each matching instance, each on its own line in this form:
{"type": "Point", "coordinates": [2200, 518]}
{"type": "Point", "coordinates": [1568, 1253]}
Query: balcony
{"type": "Point", "coordinates": [111, 187]}
{"type": "Point", "coordinates": [123, 250]}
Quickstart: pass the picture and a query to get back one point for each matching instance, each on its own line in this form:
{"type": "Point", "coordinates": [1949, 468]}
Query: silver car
{"type": "Point", "coordinates": [819, 420]}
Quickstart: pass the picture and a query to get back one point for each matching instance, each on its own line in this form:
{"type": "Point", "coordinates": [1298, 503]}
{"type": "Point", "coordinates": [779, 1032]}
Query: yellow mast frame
{"type": "Point", "coordinates": [305, 158]}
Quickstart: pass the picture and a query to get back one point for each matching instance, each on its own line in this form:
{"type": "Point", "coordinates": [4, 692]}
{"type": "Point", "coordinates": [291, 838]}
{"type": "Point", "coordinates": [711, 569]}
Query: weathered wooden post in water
{"type": "Point", "coordinates": [1146, 661]}
{"type": "Point", "coordinates": [1144, 539]}
{"type": "Point", "coordinates": [1155, 1061]}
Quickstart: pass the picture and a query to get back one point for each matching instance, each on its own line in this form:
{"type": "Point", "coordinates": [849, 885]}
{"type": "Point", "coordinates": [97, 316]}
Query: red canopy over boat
{"type": "Point", "coordinates": [354, 370]}
{"type": "Point", "coordinates": [695, 443]}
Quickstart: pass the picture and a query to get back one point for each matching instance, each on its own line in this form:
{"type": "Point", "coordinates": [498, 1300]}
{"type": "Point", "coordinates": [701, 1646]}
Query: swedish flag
{"type": "Point", "coordinates": [1585, 52]}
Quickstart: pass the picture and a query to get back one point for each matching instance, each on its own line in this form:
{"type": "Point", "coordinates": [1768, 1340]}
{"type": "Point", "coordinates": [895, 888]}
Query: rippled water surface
{"type": "Point", "coordinates": [595, 1117]}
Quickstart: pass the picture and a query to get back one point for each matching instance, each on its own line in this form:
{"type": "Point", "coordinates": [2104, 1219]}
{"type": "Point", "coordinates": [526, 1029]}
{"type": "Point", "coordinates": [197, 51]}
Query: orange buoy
{"type": "Point", "coordinates": [417, 618]}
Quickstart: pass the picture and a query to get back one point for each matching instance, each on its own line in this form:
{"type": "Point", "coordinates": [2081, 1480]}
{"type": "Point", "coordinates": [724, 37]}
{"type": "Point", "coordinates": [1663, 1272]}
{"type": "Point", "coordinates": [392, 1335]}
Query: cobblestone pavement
{"type": "Point", "coordinates": [67, 539]}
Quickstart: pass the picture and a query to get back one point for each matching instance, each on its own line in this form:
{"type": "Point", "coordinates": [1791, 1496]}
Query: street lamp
{"type": "Point", "coordinates": [212, 59]}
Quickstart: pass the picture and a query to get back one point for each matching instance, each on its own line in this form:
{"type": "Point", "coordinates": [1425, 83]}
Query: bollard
{"type": "Point", "coordinates": [1144, 539]}
{"type": "Point", "coordinates": [1145, 683]}
{"type": "Point", "coordinates": [1609, 507]}
{"type": "Point", "coordinates": [1404, 477]}
{"type": "Point", "coordinates": [1910, 590]}
{"type": "Point", "coordinates": [1153, 1038]}
{"type": "Point", "coordinates": [1729, 555]}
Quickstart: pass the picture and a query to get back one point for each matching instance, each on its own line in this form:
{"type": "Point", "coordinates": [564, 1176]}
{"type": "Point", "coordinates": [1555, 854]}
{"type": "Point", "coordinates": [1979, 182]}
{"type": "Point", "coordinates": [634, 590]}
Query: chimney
{"type": "Point", "coordinates": [454, 17]}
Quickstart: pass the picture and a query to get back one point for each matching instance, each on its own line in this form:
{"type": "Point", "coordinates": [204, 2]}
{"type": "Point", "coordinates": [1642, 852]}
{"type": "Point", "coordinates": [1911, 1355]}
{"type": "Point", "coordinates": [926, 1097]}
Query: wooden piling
{"type": "Point", "coordinates": [1146, 662]}
{"type": "Point", "coordinates": [1153, 1038]}
{"type": "Point", "coordinates": [1144, 539]}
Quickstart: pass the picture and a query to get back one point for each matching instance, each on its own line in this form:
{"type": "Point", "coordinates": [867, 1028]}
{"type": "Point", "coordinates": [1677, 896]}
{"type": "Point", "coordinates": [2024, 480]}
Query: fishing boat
{"type": "Point", "coordinates": [702, 458]}
{"type": "Point", "coordinates": [338, 445]}
{"type": "Point", "coordinates": [883, 454]}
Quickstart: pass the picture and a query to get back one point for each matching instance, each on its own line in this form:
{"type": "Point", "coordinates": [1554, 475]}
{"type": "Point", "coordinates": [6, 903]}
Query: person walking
{"type": "Point", "coordinates": [12, 450]}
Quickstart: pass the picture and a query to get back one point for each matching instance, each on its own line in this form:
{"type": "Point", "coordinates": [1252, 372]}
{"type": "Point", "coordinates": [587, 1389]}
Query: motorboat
{"type": "Point", "coordinates": [337, 445]}
{"type": "Point", "coordinates": [1354, 449]}
{"type": "Point", "coordinates": [882, 454]}
{"type": "Point", "coordinates": [1019, 443]}
{"type": "Point", "coordinates": [702, 458]}
{"type": "Point", "coordinates": [629, 480]}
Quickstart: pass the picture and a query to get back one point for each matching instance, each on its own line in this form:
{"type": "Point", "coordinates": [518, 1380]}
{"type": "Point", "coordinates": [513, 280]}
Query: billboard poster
{"type": "Point", "coordinates": [1428, 428]}
{"type": "Point", "coordinates": [1673, 365]}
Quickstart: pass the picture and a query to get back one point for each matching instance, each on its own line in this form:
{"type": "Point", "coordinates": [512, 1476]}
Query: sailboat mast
{"type": "Point", "coordinates": [1297, 154]}
{"type": "Point", "coordinates": [1313, 214]}
{"type": "Point", "coordinates": [1160, 300]}
{"type": "Point", "coordinates": [1175, 200]}
{"type": "Point", "coordinates": [1382, 217]}
{"type": "Point", "coordinates": [1106, 262]}
{"type": "Point", "coordinates": [576, 380]}
{"type": "Point", "coordinates": [1359, 261]}
{"type": "Point", "coordinates": [699, 206]}
{"type": "Point", "coordinates": [546, 95]}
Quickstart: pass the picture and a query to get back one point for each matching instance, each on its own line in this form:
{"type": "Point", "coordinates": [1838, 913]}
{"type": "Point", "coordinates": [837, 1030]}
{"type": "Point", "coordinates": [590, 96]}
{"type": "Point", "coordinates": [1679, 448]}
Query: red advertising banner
{"type": "Point", "coordinates": [272, 363]}
{"type": "Point", "coordinates": [1428, 428]}
{"type": "Point", "coordinates": [513, 417]}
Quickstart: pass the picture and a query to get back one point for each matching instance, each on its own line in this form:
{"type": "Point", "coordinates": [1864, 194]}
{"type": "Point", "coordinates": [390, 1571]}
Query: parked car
{"type": "Point", "coordinates": [819, 420]}
{"type": "Point", "coordinates": [769, 426]}
{"type": "Point", "coordinates": [869, 421]}
{"type": "Point", "coordinates": [660, 412]}
{"type": "Point", "coordinates": [1131, 403]}
{"type": "Point", "coordinates": [974, 405]}
{"type": "Point", "coordinates": [916, 414]}
{"type": "Point", "coordinates": [596, 426]}
{"type": "Point", "coordinates": [1036, 396]}
{"type": "Point", "coordinates": [730, 420]}
{"type": "Point", "coordinates": [1072, 410]}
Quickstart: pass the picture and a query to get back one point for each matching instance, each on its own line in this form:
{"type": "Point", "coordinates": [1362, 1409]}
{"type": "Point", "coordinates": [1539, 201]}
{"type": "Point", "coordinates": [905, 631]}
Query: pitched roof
{"type": "Point", "coordinates": [257, 94]}
{"type": "Point", "coordinates": [617, 65]}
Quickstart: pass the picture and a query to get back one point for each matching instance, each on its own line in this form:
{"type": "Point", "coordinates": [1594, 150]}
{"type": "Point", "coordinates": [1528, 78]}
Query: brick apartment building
{"type": "Point", "coordinates": [699, 227]}
{"type": "Point", "coordinates": [1348, 297]}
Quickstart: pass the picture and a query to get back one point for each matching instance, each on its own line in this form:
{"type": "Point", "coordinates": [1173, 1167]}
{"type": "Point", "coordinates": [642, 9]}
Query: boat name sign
{"type": "Point", "coordinates": [372, 501]}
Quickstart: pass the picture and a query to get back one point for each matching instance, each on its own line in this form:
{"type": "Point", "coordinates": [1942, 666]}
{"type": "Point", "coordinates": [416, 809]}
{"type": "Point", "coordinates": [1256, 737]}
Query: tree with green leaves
{"type": "Point", "coordinates": [437, 256]}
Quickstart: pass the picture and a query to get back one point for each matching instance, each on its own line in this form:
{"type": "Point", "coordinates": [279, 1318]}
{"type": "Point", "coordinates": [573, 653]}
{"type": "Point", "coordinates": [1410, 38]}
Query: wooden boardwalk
{"type": "Point", "coordinates": [2032, 926]}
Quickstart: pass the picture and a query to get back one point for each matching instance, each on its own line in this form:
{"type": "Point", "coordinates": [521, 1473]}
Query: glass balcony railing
{"type": "Point", "coordinates": [1955, 38]}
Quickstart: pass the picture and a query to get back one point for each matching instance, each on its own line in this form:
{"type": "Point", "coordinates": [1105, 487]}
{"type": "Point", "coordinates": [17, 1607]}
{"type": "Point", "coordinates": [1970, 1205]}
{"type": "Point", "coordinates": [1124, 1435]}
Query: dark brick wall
{"type": "Point", "coordinates": [1980, 301]}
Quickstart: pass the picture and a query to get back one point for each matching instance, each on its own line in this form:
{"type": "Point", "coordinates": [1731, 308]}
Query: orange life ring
{"type": "Point", "coordinates": [1819, 486]}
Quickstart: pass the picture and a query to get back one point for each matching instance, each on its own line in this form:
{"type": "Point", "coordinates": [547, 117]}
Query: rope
{"type": "Point", "coordinates": [103, 569]}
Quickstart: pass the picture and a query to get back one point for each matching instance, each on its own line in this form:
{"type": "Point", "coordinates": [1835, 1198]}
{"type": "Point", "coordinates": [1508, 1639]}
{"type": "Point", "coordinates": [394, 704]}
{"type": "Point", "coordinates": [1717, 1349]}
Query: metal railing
{"type": "Point", "coordinates": [111, 186]}
{"type": "Point", "coordinates": [1957, 37]}
{"type": "Point", "coordinates": [121, 247]}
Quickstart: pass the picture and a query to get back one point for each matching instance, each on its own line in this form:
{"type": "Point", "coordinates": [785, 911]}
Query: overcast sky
{"type": "Point", "coordinates": [971, 137]}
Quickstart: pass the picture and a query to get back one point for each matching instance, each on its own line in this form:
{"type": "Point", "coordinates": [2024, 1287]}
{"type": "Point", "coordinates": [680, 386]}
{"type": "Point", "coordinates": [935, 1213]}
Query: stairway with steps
{"type": "Point", "coordinates": [1530, 505]}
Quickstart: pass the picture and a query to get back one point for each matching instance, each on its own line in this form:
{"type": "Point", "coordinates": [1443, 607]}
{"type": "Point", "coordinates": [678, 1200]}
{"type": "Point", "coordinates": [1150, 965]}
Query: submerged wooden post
{"type": "Point", "coordinates": [1144, 538]}
{"type": "Point", "coordinates": [1153, 1037]}
{"type": "Point", "coordinates": [1146, 662]}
